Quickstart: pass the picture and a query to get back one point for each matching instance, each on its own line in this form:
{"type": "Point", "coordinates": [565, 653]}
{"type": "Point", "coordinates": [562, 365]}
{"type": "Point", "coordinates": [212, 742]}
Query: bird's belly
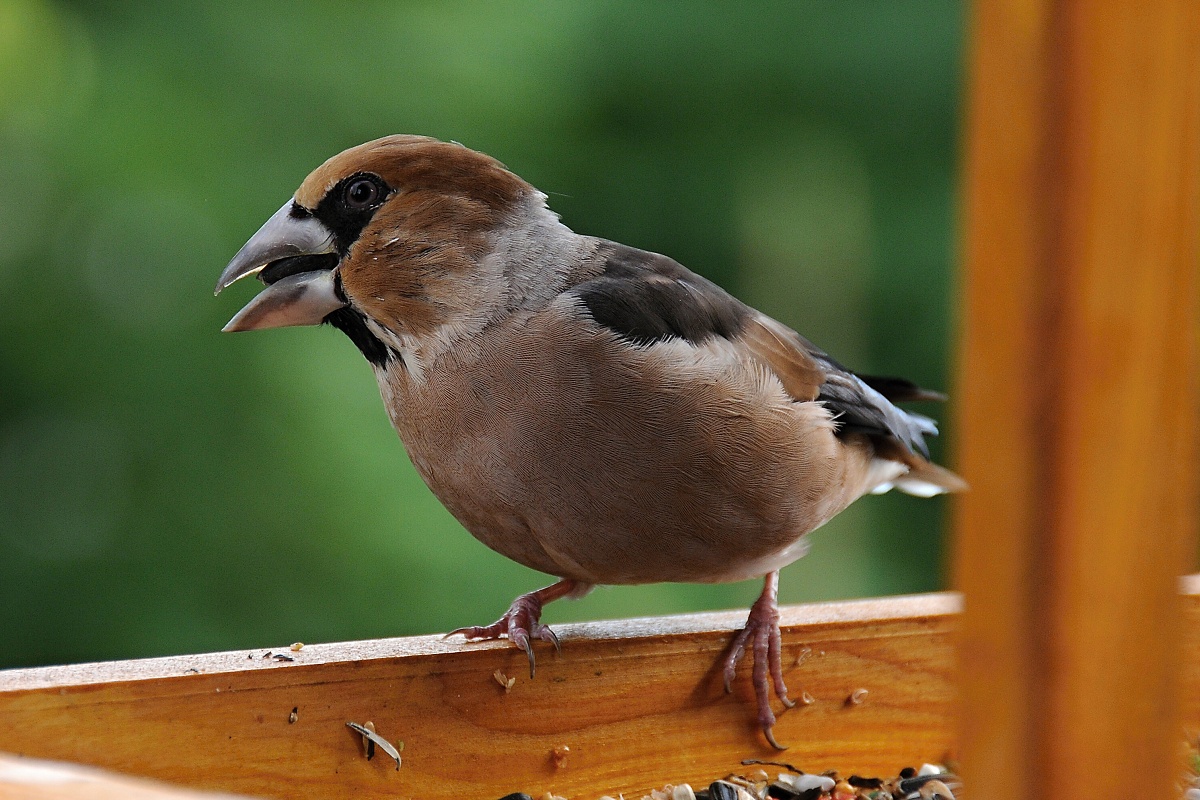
{"type": "Point", "coordinates": [575, 470]}
{"type": "Point", "coordinates": [570, 529]}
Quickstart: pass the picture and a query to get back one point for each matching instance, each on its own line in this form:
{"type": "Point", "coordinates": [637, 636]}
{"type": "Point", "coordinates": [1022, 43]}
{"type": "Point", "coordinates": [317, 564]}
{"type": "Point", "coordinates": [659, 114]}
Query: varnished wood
{"type": "Point", "coordinates": [638, 703]}
{"type": "Point", "coordinates": [1078, 397]}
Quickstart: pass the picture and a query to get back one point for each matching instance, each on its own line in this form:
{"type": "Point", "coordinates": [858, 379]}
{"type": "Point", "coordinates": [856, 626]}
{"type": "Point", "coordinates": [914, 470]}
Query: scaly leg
{"type": "Point", "coordinates": [762, 628]}
{"type": "Point", "coordinates": [523, 620]}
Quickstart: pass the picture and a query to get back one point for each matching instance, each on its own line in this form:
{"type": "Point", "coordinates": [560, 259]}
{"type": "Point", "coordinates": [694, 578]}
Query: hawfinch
{"type": "Point", "coordinates": [593, 411]}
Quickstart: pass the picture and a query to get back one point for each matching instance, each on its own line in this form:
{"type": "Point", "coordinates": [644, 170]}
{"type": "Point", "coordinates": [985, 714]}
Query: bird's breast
{"type": "Point", "coordinates": [579, 456]}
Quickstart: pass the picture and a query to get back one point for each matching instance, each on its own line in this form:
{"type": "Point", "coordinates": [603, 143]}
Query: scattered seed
{"type": "Point", "coordinates": [804, 654]}
{"type": "Point", "coordinates": [778, 791]}
{"type": "Point", "coordinates": [559, 756]}
{"type": "Point", "coordinates": [371, 738]}
{"type": "Point", "coordinates": [748, 761]}
{"type": "Point", "coordinates": [282, 657]}
{"type": "Point", "coordinates": [806, 699]}
{"type": "Point", "coordinates": [369, 744]}
{"type": "Point", "coordinates": [720, 790]}
{"type": "Point", "coordinates": [804, 783]}
{"type": "Point", "coordinates": [738, 780]}
{"type": "Point", "coordinates": [506, 683]}
{"type": "Point", "coordinates": [267, 654]}
{"type": "Point", "coordinates": [295, 715]}
{"type": "Point", "coordinates": [683, 792]}
{"type": "Point", "coordinates": [856, 697]}
{"type": "Point", "coordinates": [936, 790]}
{"type": "Point", "coordinates": [297, 647]}
{"type": "Point", "coordinates": [828, 785]}
{"type": "Point", "coordinates": [914, 782]}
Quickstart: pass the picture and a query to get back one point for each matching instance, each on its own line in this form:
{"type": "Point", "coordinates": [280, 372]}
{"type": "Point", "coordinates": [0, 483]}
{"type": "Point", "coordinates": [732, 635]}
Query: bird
{"type": "Point", "coordinates": [593, 411]}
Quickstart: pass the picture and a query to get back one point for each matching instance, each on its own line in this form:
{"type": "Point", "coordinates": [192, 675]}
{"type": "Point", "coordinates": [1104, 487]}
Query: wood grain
{"type": "Point", "coordinates": [1078, 414]}
{"type": "Point", "coordinates": [638, 703]}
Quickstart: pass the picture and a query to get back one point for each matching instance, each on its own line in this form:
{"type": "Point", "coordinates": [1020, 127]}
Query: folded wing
{"type": "Point", "coordinates": [648, 298]}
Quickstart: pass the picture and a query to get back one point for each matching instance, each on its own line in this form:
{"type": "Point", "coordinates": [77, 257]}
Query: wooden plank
{"type": "Point", "coordinates": [1077, 423]}
{"type": "Point", "coordinates": [638, 703]}
{"type": "Point", "coordinates": [34, 779]}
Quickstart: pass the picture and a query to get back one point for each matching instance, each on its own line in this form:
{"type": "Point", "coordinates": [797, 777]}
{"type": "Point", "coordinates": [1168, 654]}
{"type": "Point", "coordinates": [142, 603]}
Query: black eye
{"type": "Point", "coordinates": [362, 193]}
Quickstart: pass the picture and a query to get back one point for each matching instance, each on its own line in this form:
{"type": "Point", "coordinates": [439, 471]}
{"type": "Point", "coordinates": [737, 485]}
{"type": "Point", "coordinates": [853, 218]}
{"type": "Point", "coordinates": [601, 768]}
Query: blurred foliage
{"type": "Point", "coordinates": [165, 488]}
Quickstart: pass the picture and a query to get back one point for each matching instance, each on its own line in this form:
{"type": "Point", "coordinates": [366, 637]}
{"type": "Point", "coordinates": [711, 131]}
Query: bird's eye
{"type": "Point", "coordinates": [362, 193]}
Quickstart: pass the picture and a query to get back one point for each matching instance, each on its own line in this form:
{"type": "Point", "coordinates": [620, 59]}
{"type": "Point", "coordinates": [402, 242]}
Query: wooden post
{"type": "Point", "coordinates": [1078, 415]}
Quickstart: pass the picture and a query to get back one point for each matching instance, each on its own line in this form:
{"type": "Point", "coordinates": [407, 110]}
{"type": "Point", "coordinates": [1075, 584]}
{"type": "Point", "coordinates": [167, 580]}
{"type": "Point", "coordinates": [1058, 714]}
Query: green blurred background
{"type": "Point", "coordinates": [165, 488]}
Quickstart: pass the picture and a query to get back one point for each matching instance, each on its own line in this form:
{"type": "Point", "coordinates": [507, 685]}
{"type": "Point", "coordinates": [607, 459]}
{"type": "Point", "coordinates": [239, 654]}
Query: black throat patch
{"type": "Point", "coordinates": [354, 324]}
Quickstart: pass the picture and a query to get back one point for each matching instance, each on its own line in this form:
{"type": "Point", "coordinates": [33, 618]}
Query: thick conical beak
{"type": "Point", "coordinates": [295, 256]}
{"type": "Point", "coordinates": [303, 299]}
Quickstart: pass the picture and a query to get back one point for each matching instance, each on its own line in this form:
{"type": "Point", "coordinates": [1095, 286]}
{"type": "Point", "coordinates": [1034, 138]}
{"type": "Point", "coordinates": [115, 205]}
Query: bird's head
{"type": "Point", "coordinates": [383, 241]}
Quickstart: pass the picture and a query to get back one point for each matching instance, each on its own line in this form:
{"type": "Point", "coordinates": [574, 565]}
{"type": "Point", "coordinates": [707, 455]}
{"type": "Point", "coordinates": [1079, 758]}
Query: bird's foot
{"type": "Point", "coordinates": [762, 634]}
{"type": "Point", "coordinates": [522, 622]}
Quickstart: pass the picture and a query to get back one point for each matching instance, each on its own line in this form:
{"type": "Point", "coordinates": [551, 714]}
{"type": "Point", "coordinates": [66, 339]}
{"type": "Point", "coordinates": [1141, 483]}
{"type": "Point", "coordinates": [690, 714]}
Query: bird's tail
{"type": "Point", "coordinates": [926, 479]}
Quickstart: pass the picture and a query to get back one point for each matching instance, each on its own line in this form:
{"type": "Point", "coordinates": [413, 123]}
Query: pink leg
{"type": "Point", "coordinates": [762, 629]}
{"type": "Point", "coordinates": [522, 620]}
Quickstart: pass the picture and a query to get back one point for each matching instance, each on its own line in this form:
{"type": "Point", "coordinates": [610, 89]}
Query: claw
{"type": "Point", "coordinates": [522, 643]}
{"type": "Point", "coordinates": [467, 632]}
{"type": "Point", "coordinates": [547, 635]}
{"type": "Point", "coordinates": [761, 634]}
{"type": "Point", "coordinates": [521, 623]}
{"type": "Point", "coordinates": [769, 733]}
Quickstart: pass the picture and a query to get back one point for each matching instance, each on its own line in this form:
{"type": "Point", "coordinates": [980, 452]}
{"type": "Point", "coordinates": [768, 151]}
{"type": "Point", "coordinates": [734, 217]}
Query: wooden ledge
{"type": "Point", "coordinates": [665, 631]}
{"type": "Point", "coordinates": [637, 702]}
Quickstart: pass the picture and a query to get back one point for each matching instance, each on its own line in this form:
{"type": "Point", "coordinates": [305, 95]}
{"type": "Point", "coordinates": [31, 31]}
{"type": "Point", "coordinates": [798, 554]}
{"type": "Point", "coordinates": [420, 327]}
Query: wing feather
{"type": "Point", "coordinates": [648, 298]}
